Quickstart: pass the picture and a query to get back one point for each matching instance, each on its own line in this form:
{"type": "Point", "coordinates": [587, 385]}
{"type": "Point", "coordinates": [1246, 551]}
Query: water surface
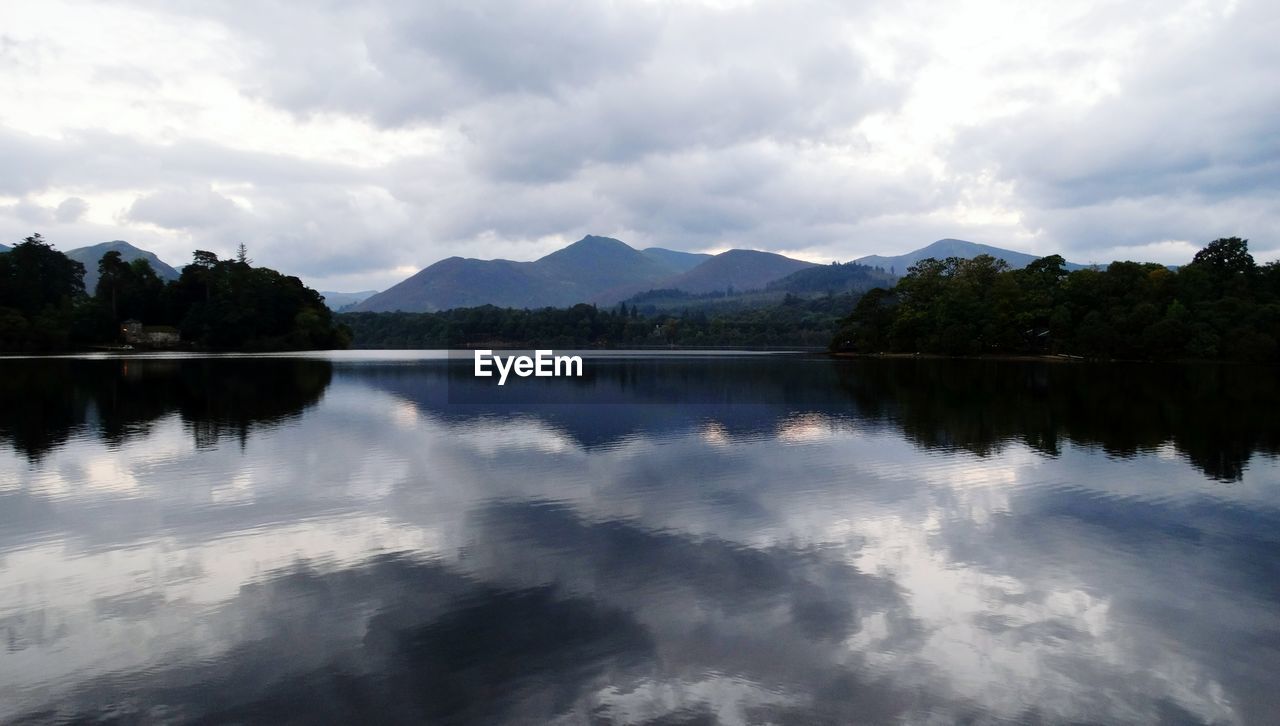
{"type": "Point", "coordinates": [367, 537]}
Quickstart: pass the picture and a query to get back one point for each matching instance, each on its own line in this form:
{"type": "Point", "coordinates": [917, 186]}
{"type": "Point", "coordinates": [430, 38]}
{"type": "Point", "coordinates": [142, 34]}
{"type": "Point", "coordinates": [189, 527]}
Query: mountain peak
{"type": "Point", "coordinates": [117, 245]}
{"type": "Point", "coordinates": [90, 256]}
{"type": "Point", "coordinates": [606, 261]}
{"type": "Point", "coordinates": [591, 245]}
{"type": "Point", "coordinates": [737, 253]}
{"type": "Point", "coordinates": [593, 239]}
{"type": "Point", "coordinates": [950, 243]}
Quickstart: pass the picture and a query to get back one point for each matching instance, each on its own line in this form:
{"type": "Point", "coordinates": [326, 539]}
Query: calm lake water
{"type": "Point", "coordinates": [360, 537]}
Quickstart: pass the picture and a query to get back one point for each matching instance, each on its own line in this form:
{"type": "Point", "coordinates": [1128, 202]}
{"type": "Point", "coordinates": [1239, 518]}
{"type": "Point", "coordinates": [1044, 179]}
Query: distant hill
{"type": "Point", "coordinates": [676, 260]}
{"type": "Point", "coordinates": [736, 270]}
{"type": "Point", "coordinates": [338, 300]}
{"type": "Point", "coordinates": [4, 248]}
{"type": "Point", "coordinates": [945, 248]}
{"type": "Point", "coordinates": [460, 282]}
{"type": "Point", "coordinates": [91, 255]}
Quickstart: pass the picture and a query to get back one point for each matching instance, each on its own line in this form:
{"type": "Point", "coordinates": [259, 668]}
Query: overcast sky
{"type": "Point", "coordinates": [353, 143]}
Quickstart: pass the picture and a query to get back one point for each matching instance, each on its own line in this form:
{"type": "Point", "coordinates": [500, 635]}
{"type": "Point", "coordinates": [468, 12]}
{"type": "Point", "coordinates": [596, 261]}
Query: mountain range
{"type": "Point", "coordinates": [606, 271]}
{"type": "Point", "coordinates": [593, 269]}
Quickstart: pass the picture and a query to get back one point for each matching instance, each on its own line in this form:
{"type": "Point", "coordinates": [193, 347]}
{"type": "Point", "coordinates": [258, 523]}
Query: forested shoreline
{"type": "Point", "coordinates": [213, 305]}
{"type": "Point", "coordinates": [793, 322]}
{"type": "Point", "coordinates": [1221, 306]}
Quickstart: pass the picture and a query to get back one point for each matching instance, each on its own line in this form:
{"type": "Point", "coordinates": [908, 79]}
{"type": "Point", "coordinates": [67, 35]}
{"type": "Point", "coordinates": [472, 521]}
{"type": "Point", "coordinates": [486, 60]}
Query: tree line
{"type": "Point", "coordinates": [214, 304]}
{"type": "Point", "coordinates": [1220, 306]}
{"type": "Point", "coordinates": [795, 321]}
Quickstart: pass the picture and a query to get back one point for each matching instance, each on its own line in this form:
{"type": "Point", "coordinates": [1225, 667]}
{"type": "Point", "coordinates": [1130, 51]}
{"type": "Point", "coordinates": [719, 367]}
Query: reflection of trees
{"type": "Point", "coordinates": [1215, 416]}
{"type": "Point", "coordinates": [228, 397]}
{"type": "Point", "coordinates": [45, 401]}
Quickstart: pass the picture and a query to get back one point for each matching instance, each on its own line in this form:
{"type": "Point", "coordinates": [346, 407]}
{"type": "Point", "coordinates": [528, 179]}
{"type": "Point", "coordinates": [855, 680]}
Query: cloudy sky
{"type": "Point", "coordinates": [353, 143]}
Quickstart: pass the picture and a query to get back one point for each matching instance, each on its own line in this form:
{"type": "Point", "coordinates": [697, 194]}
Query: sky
{"type": "Point", "coordinates": [353, 143]}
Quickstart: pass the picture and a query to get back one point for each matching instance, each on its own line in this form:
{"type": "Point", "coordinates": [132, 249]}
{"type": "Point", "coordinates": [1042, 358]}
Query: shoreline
{"type": "Point", "coordinates": [1025, 357]}
{"type": "Point", "coordinates": [106, 352]}
{"type": "Point", "coordinates": [1044, 358]}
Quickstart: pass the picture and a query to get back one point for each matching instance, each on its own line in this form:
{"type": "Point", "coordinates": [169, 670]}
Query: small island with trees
{"type": "Point", "coordinates": [214, 305]}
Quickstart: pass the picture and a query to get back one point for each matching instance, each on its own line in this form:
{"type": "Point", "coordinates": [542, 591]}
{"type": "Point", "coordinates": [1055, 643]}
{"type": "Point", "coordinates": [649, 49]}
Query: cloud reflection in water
{"type": "Point", "coordinates": [365, 549]}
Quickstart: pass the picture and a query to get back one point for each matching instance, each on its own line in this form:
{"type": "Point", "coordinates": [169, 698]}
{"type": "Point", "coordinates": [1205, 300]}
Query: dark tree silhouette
{"type": "Point", "coordinates": [1221, 306]}
{"type": "Point", "coordinates": [224, 305]}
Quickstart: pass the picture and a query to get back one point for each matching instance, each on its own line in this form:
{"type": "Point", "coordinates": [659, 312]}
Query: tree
{"type": "Point", "coordinates": [1226, 256]}
{"type": "Point", "coordinates": [113, 273]}
{"type": "Point", "coordinates": [219, 304]}
{"type": "Point", "coordinates": [35, 277]}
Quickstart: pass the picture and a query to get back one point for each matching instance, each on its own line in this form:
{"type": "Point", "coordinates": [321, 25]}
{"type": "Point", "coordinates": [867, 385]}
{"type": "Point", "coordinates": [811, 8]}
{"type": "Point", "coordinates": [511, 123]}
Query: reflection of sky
{"type": "Point", "coordinates": [816, 570]}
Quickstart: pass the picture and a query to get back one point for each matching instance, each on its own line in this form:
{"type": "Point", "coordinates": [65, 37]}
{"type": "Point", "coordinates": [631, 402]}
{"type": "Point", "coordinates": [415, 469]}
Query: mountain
{"type": "Point", "coordinates": [736, 270]}
{"type": "Point", "coordinates": [945, 248]}
{"type": "Point", "coordinates": [570, 275]}
{"type": "Point", "coordinates": [338, 300]}
{"type": "Point", "coordinates": [460, 282]}
{"type": "Point", "coordinates": [91, 255]}
{"type": "Point", "coordinates": [4, 248]}
{"type": "Point", "coordinates": [676, 260]}
{"type": "Point", "coordinates": [595, 263]}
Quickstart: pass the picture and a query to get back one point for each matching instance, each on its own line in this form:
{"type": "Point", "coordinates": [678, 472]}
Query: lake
{"type": "Point", "coordinates": [672, 539]}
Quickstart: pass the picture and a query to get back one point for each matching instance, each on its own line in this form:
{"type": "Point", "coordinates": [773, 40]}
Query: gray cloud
{"type": "Point", "coordinates": [71, 209]}
{"type": "Point", "coordinates": [184, 209]}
